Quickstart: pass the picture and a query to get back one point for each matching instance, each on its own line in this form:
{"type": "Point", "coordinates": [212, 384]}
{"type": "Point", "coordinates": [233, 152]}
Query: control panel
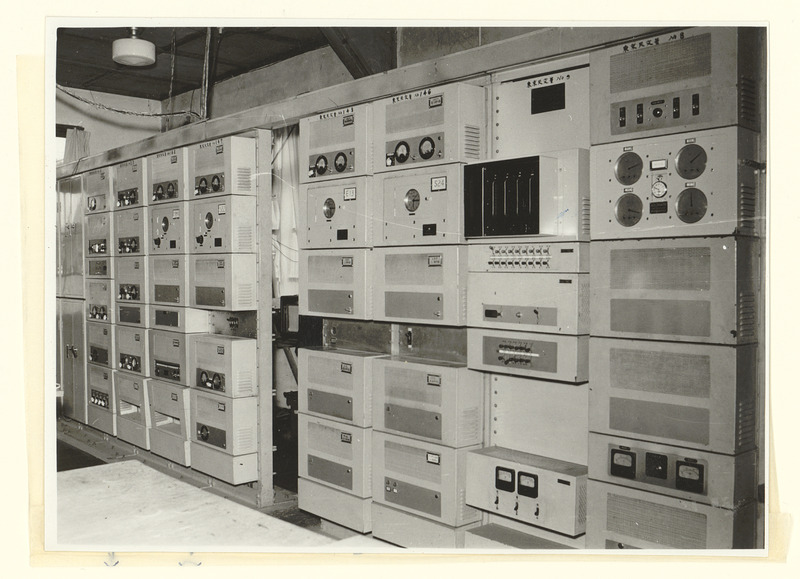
{"type": "Point", "coordinates": [168, 176]}
{"type": "Point", "coordinates": [223, 167]}
{"type": "Point", "coordinates": [99, 300]}
{"type": "Point", "coordinates": [690, 395]}
{"type": "Point", "coordinates": [335, 454]}
{"type": "Point", "coordinates": [698, 183]}
{"type": "Point", "coordinates": [336, 144]}
{"type": "Point", "coordinates": [529, 488]}
{"type": "Point", "coordinates": [678, 81]}
{"type": "Point", "coordinates": [422, 478]}
{"type": "Point", "coordinates": [101, 409]}
{"type": "Point", "coordinates": [169, 279]}
{"type": "Point", "coordinates": [548, 302]}
{"type": "Point", "coordinates": [223, 282]}
{"type": "Point", "coordinates": [546, 356]}
{"type": "Point", "coordinates": [100, 344]}
{"type": "Point", "coordinates": [337, 283]}
{"type": "Point", "coordinates": [223, 224]}
{"type": "Point", "coordinates": [131, 280]}
{"type": "Point", "coordinates": [427, 285]}
{"type": "Point", "coordinates": [129, 184]}
{"type": "Point", "coordinates": [169, 356]}
{"type": "Point", "coordinates": [132, 350]}
{"type": "Point", "coordinates": [98, 185]}
{"type": "Point", "coordinates": [691, 290]}
{"type": "Point", "coordinates": [223, 364]}
{"type": "Point", "coordinates": [170, 228]}
{"type": "Point", "coordinates": [131, 230]}
{"type": "Point", "coordinates": [435, 401]}
{"type": "Point", "coordinates": [177, 319]}
{"type": "Point", "coordinates": [430, 126]}
{"type": "Point", "coordinates": [565, 257]}
{"type": "Point", "coordinates": [225, 424]}
{"type": "Point", "coordinates": [99, 234]}
{"type": "Point", "coordinates": [341, 213]}
{"type": "Point", "coordinates": [422, 207]}
{"type": "Point", "coordinates": [545, 196]}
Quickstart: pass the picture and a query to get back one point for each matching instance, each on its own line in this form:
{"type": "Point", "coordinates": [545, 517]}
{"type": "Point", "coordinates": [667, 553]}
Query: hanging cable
{"type": "Point", "coordinates": [204, 95]}
{"type": "Point", "coordinates": [121, 111]}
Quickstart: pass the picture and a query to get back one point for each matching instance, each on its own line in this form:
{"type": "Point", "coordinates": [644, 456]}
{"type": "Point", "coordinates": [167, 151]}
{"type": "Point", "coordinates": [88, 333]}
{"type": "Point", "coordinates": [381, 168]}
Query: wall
{"type": "Point", "coordinates": [420, 44]}
{"type": "Point", "coordinates": [108, 129]}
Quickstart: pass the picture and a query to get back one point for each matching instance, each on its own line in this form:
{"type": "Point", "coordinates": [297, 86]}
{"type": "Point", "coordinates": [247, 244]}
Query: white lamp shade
{"type": "Point", "coordinates": [133, 52]}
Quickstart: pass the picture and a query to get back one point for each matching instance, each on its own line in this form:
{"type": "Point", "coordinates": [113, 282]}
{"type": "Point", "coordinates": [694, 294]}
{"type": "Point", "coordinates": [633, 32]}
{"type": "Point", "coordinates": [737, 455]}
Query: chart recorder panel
{"type": "Point", "coordinates": [170, 228]}
{"type": "Point", "coordinates": [698, 183]}
{"type": "Point", "coordinates": [545, 197]}
{"type": "Point", "coordinates": [339, 213]}
{"type": "Point", "coordinates": [421, 207]}
{"type": "Point", "coordinates": [225, 365]}
{"type": "Point", "coordinates": [535, 490]}
{"type": "Point", "coordinates": [224, 436]}
{"type": "Point", "coordinates": [129, 184]}
{"type": "Point", "coordinates": [430, 126]}
{"type": "Point", "coordinates": [224, 166]}
{"type": "Point", "coordinates": [336, 144]}
{"type": "Point", "coordinates": [223, 225]}
{"type": "Point", "coordinates": [168, 176]}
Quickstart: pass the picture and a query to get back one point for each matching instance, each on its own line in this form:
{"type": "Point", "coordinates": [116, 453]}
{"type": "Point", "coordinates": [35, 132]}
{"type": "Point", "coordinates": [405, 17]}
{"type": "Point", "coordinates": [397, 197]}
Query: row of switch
{"type": "Point", "coordinates": [529, 262]}
{"type": "Point", "coordinates": [99, 399]}
{"type": "Point", "coordinates": [658, 110]}
{"type": "Point", "coordinates": [520, 250]}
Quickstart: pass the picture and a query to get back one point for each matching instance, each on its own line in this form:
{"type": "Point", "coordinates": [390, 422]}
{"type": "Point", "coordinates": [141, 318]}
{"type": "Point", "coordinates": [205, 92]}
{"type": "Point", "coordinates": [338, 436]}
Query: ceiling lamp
{"type": "Point", "coordinates": [133, 51]}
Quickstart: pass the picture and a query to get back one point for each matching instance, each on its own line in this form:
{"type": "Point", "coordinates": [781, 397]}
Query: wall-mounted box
{"type": "Point", "coordinates": [340, 213]}
{"type": "Point", "coordinates": [336, 144]}
{"type": "Point", "coordinates": [337, 283]}
{"type": "Point", "coordinates": [131, 231]}
{"type": "Point", "coordinates": [223, 282]}
{"type": "Point", "coordinates": [224, 166]}
{"type": "Point", "coordinates": [440, 402]}
{"type": "Point", "coordinates": [170, 228]}
{"type": "Point", "coordinates": [426, 285]}
{"type": "Point", "coordinates": [133, 350]}
{"type": "Point", "coordinates": [430, 126]}
{"type": "Point", "coordinates": [169, 421]}
{"type": "Point", "coordinates": [98, 185]}
{"type": "Point", "coordinates": [169, 279]}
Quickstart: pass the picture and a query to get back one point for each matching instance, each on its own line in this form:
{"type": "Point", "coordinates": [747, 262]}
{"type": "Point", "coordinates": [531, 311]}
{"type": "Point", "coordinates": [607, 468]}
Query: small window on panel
{"type": "Point", "coordinates": [548, 98]}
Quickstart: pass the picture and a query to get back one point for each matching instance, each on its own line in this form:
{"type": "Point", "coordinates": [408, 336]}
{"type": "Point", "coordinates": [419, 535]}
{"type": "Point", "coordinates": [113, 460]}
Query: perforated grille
{"type": "Point", "coordinates": [581, 516]}
{"type": "Point", "coordinates": [747, 315]}
{"type": "Point", "coordinates": [470, 423]}
{"type": "Point", "coordinates": [748, 101]}
{"type": "Point", "coordinates": [654, 523]}
{"type": "Point", "coordinates": [747, 208]}
{"type": "Point", "coordinates": [244, 179]}
{"type": "Point", "coordinates": [472, 142]}
{"type": "Point", "coordinates": [674, 373]}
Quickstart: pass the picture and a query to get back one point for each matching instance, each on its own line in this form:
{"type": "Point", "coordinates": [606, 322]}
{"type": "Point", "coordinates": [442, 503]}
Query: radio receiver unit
{"type": "Point", "coordinates": [337, 283]}
{"type": "Point", "coordinates": [337, 214]}
{"type": "Point", "coordinates": [98, 185]}
{"type": "Point", "coordinates": [129, 180]}
{"type": "Point", "coordinates": [170, 228]}
{"type": "Point", "coordinates": [223, 282]}
{"type": "Point", "coordinates": [336, 144]}
{"type": "Point", "coordinates": [168, 176]}
{"type": "Point", "coordinates": [224, 166]}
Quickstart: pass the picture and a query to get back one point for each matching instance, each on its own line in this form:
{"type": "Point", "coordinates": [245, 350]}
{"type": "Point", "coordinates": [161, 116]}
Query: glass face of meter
{"type": "Point", "coordinates": [628, 168]}
{"type": "Point", "coordinates": [691, 205]}
{"type": "Point", "coordinates": [329, 208]}
{"type": "Point", "coordinates": [628, 210]}
{"type": "Point", "coordinates": [691, 161]}
{"type": "Point", "coordinates": [411, 200]}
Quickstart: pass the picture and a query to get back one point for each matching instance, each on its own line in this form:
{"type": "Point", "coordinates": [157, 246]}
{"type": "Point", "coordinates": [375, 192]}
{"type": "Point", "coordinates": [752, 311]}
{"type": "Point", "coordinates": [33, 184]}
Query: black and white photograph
{"type": "Point", "coordinates": [404, 288]}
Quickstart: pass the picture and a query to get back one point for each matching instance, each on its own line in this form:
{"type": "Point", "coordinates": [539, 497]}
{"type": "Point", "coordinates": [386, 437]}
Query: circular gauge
{"type": "Point", "coordinates": [329, 208]}
{"type": "Point", "coordinates": [209, 220]}
{"type": "Point", "coordinates": [628, 168]}
{"type": "Point", "coordinates": [216, 184]}
{"type": "Point", "coordinates": [164, 224]}
{"type": "Point", "coordinates": [103, 314]}
{"type": "Point", "coordinates": [691, 205]}
{"type": "Point", "coordinates": [204, 378]}
{"type": "Point", "coordinates": [426, 148]}
{"type": "Point", "coordinates": [217, 382]}
{"type": "Point", "coordinates": [340, 162]}
{"type": "Point", "coordinates": [401, 152]}
{"type": "Point", "coordinates": [659, 189]}
{"type": "Point", "coordinates": [628, 210]}
{"type": "Point", "coordinates": [171, 190]}
{"type": "Point", "coordinates": [158, 193]}
{"type": "Point", "coordinates": [321, 165]}
{"type": "Point", "coordinates": [691, 161]}
{"type": "Point", "coordinates": [202, 432]}
{"type": "Point", "coordinates": [202, 185]}
{"type": "Point", "coordinates": [411, 200]}
{"type": "Point", "coordinates": [94, 312]}
{"type": "Point", "coordinates": [92, 204]}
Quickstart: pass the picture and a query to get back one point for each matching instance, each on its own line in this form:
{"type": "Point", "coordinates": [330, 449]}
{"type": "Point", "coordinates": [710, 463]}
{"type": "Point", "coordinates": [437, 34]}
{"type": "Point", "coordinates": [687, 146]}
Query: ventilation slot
{"type": "Point", "coordinates": [748, 101]}
{"type": "Point", "coordinates": [585, 215]}
{"type": "Point", "coordinates": [246, 295]}
{"type": "Point", "coordinates": [411, 462]}
{"type": "Point", "coordinates": [581, 519]}
{"type": "Point", "coordinates": [472, 142]}
{"type": "Point", "coordinates": [245, 239]}
{"type": "Point", "coordinates": [244, 180]}
{"type": "Point", "coordinates": [126, 409]}
{"type": "Point", "coordinates": [470, 423]}
{"type": "Point", "coordinates": [747, 208]}
{"type": "Point", "coordinates": [246, 383]}
{"type": "Point", "coordinates": [746, 431]}
{"type": "Point", "coordinates": [654, 523]}
{"type": "Point", "coordinates": [747, 315]}
{"type": "Point", "coordinates": [246, 439]}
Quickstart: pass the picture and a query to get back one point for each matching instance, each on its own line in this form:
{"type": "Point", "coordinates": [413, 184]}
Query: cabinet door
{"type": "Point", "coordinates": [73, 271]}
{"type": "Point", "coordinates": [73, 349]}
{"type": "Point", "coordinates": [62, 225]}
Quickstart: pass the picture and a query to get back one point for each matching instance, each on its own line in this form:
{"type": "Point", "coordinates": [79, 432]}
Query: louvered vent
{"type": "Point", "coordinates": [244, 239]}
{"type": "Point", "coordinates": [746, 325]}
{"type": "Point", "coordinates": [585, 215]}
{"type": "Point", "coordinates": [246, 439]}
{"type": "Point", "coordinates": [244, 179]}
{"type": "Point", "coordinates": [747, 208]}
{"type": "Point", "coordinates": [472, 142]}
{"type": "Point", "coordinates": [246, 295]}
{"type": "Point", "coordinates": [746, 431]}
{"type": "Point", "coordinates": [470, 424]}
{"type": "Point", "coordinates": [748, 101]}
{"type": "Point", "coordinates": [246, 383]}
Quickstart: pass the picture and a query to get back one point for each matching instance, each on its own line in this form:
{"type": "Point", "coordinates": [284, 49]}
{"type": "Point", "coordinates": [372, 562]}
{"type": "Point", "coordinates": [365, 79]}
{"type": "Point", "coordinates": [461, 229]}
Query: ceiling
{"type": "Point", "coordinates": [83, 56]}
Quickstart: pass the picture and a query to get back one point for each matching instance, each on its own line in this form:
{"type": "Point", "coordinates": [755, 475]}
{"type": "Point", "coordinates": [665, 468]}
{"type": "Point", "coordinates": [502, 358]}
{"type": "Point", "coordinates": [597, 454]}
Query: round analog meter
{"type": "Point", "coordinates": [321, 165]}
{"type": "Point", "coordinates": [628, 210]}
{"type": "Point", "coordinates": [158, 193]}
{"type": "Point", "coordinates": [340, 162]}
{"type": "Point", "coordinates": [202, 186]}
{"type": "Point", "coordinates": [92, 204]}
{"type": "Point", "coordinates": [164, 224]}
{"type": "Point", "coordinates": [412, 200]}
{"type": "Point", "coordinates": [203, 432]}
{"type": "Point", "coordinates": [628, 168]}
{"type": "Point", "coordinates": [216, 183]}
{"type": "Point", "coordinates": [401, 152]}
{"type": "Point", "coordinates": [171, 190]}
{"type": "Point", "coordinates": [691, 205]}
{"type": "Point", "coordinates": [691, 161]}
{"type": "Point", "coordinates": [659, 189]}
{"type": "Point", "coordinates": [329, 208]}
{"type": "Point", "coordinates": [209, 221]}
{"type": "Point", "coordinates": [426, 148]}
